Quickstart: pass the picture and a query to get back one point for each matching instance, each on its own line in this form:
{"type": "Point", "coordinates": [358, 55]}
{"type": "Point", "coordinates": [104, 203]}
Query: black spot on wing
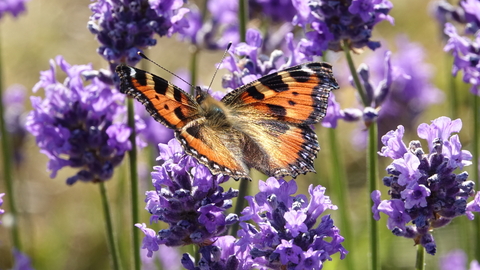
{"type": "Point", "coordinates": [177, 95]}
{"type": "Point", "coordinates": [254, 93]}
{"type": "Point", "coordinates": [141, 77]}
{"type": "Point", "coordinates": [300, 75]}
{"type": "Point", "coordinates": [295, 93]}
{"type": "Point", "coordinates": [292, 103]}
{"type": "Point", "coordinates": [160, 86]}
{"type": "Point", "coordinates": [178, 112]}
{"type": "Point", "coordinates": [277, 110]}
{"type": "Point", "coordinates": [274, 82]}
{"type": "Point", "coordinates": [166, 107]}
{"type": "Point", "coordinates": [194, 131]}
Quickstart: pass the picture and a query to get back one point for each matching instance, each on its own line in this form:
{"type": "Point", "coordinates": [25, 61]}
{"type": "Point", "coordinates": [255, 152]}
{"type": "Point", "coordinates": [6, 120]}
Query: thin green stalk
{"type": "Point", "coordinates": [134, 187]}
{"type": "Point", "coordinates": [7, 168]}
{"type": "Point", "coordinates": [353, 70]}
{"type": "Point", "coordinates": [340, 191]}
{"type": "Point", "coordinates": [193, 68]}
{"type": "Point", "coordinates": [476, 134]}
{"type": "Point", "coordinates": [112, 245]}
{"type": "Point", "coordinates": [420, 262]}
{"type": "Point", "coordinates": [242, 192]}
{"type": "Point", "coordinates": [372, 167]}
{"type": "Point", "coordinates": [453, 96]}
{"type": "Point", "coordinates": [242, 18]}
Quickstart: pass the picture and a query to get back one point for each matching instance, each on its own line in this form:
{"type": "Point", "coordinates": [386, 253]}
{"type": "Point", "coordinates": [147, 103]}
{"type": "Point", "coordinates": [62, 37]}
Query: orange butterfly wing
{"type": "Point", "coordinates": [297, 94]}
{"type": "Point", "coordinates": [167, 103]}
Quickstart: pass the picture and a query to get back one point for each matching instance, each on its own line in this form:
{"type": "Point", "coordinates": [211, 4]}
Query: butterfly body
{"type": "Point", "coordinates": [263, 125]}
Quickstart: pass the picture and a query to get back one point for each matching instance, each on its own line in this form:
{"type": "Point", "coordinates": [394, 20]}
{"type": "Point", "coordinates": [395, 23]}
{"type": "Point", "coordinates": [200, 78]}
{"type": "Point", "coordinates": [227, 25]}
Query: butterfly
{"type": "Point", "coordinates": [265, 124]}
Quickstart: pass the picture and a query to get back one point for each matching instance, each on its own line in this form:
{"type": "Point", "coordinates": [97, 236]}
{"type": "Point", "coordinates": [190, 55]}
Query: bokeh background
{"type": "Point", "coordinates": [62, 226]}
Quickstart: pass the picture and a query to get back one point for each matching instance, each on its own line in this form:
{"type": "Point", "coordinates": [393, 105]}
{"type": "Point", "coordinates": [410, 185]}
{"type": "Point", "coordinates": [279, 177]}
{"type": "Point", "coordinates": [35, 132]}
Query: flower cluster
{"type": "Point", "coordinates": [337, 21]}
{"type": "Point", "coordinates": [74, 125]}
{"type": "Point", "coordinates": [223, 254]}
{"type": "Point", "coordinates": [375, 95]}
{"type": "Point", "coordinates": [281, 231]}
{"type": "Point", "coordinates": [467, 12]}
{"type": "Point", "coordinates": [188, 198]}
{"type": "Point", "coordinates": [424, 189]}
{"type": "Point", "coordinates": [14, 7]}
{"type": "Point", "coordinates": [466, 55]}
{"type": "Point", "coordinates": [125, 27]}
{"type": "Point", "coordinates": [216, 31]}
{"type": "Point", "coordinates": [411, 90]}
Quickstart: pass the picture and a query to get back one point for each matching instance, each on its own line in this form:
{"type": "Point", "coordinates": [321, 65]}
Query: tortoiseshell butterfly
{"type": "Point", "coordinates": [264, 124]}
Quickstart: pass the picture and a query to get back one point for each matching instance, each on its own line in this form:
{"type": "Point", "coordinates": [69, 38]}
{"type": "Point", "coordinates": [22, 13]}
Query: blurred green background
{"type": "Point", "coordinates": [62, 226]}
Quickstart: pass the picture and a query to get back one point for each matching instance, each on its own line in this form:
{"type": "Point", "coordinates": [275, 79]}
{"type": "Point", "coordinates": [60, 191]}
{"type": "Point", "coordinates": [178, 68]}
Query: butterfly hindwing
{"type": "Point", "coordinates": [167, 103]}
{"type": "Point", "coordinates": [283, 148]}
{"type": "Point", "coordinates": [220, 150]}
{"type": "Point", "coordinates": [297, 95]}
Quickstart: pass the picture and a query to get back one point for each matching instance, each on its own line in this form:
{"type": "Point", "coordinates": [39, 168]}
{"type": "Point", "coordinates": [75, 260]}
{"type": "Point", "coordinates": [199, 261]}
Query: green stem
{"type": "Point", "coordinates": [7, 168]}
{"type": "Point", "coordinates": [372, 166]}
{"type": "Point", "coordinates": [193, 68]}
{"type": "Point", "coordinates": [476, 178]}
{"type": "Point", "coordinates": [453, 100]}
{"type": "Point", "coordinates": [112, 245]}
{"type": "Point", "coordinates": [351, 66]}
{"type": "Point", "coordinates": [242, 18]}
{"type": "Point", "coordinates": [134, 186]}
{"type": "Point", "coordinates": [340, 191]}
{"type": "Point", "coordinates": [242, 192]}
{"type": "Point", "coordinates": [372, 177]}
{"type": "Point", "coordinates": [420, 261]}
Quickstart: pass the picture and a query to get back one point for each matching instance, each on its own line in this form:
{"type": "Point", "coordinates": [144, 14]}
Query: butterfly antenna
{"type": "Point", "coordinates": [223, 57]}
{"type": "Point", "coordinates": [146, 58]}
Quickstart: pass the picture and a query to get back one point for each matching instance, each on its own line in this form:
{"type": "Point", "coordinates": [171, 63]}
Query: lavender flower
{"type": "Point", "coordinates": [277, 11]}
{"type": "Point", "coordinates": [466, 55]}
{"type": "Point", "coordinates": [164, 257]}
{"type": "Point", "coordinates": [375, 96]}
{"type": "Point", "coordinates": [125, 27]}
{"type": "Point", "coordinates": [457, 260]}
{"type": "Point", "coordinates": [223, 254]}
{"type": "Point", "coordinates": [216, 31]}
{"type": "Point", "coordinates": [75, 124]}
{"type": "Point", "coordinates": [329, 23]}
{"type": "Point", "coordinates": [424, 189]}
{"type": "Point", "coordinates": [13, 102]}
{"type": "Point", "coordinates": [467, 12]}
{"type": "Point", "coordinates": [254, 65]}
{"type": "Point", "coordinates": [14, 7]}
{"type": "Point", "coordinates": [1, 202]}
{"type": "Point", "coordinates": [280, 232]}
{"type": "Point", "coordinates": [188, 198]}
{"type": "Point", "coordinates": [411, 91]}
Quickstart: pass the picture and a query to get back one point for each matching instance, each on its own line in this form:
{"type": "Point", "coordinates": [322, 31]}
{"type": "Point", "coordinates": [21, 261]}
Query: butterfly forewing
{"type": "Point", "coordinates": [297, 95]}
{"type": "Point", "coordinates": [167, 103]}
